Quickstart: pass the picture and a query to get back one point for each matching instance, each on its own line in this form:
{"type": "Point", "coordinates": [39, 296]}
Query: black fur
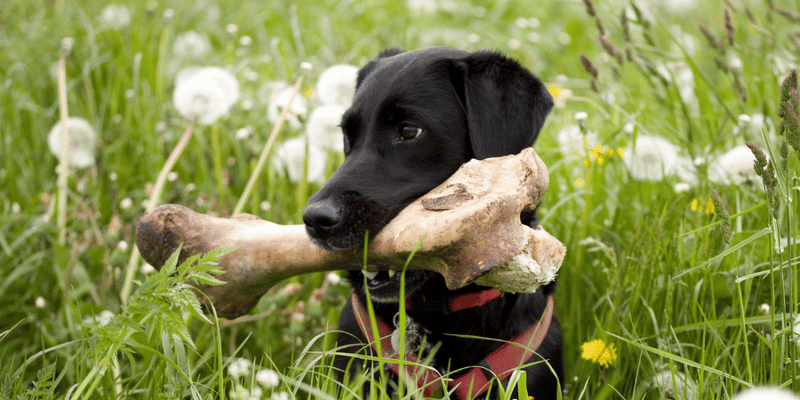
{"type": "Point", "coordinates": [468, 105]}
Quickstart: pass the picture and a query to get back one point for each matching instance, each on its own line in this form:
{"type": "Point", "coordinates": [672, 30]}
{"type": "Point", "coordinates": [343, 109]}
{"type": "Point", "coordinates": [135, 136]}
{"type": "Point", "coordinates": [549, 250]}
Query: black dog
{"type": "Point", "coordinates": [416, 117]}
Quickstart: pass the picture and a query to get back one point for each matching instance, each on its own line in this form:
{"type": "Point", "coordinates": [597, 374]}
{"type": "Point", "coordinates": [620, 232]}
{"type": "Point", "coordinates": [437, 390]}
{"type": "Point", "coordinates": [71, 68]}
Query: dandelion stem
{"type": "Point", "coordinates": [217, 163]}
{"type": "Point", "coordinates": [63, 165]}
{"type": "Point", "coordinates": [151, 203]}
{"type": "Point", "coordinates": [268, 146]}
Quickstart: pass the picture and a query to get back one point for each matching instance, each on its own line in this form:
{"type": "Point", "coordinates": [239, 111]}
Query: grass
{"type": "Point", "coordinates": [705, 298]}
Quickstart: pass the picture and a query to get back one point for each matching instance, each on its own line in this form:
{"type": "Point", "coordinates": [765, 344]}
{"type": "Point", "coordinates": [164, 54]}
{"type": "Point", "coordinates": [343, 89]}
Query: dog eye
{"type": "Point", "coordinates": [408, 132]}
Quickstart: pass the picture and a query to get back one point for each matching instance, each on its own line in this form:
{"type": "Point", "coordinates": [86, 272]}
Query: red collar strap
{"type": "Point", "coordinates": [456, 303]}
{"type": "Point", "coordinates": [500, 363]}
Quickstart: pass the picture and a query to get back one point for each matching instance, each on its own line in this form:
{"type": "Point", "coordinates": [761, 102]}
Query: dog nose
{"type": "Point", "coordinates": [320, 217]}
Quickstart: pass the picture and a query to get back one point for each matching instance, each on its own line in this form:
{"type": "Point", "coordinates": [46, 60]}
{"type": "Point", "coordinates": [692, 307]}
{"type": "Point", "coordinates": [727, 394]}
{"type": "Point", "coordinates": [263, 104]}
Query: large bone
{"type": "Point", "coordinates": [468, 229]}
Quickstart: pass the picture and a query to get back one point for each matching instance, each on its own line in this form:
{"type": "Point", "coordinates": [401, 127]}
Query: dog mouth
{"type": "Point", "coordinates": [384, 286]}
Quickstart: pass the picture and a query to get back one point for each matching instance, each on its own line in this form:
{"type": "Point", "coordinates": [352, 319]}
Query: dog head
{"type": "Point", "coordinates": [415, 118]}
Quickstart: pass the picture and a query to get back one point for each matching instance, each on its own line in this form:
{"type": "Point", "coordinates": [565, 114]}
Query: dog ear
{"type": "Point", "coordinates": [370, 66]}
{"type": "Point", "coordinates": [505, 104]}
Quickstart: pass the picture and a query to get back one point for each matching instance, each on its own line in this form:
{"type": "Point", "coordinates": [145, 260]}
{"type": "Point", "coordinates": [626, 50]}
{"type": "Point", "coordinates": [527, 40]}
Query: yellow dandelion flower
{"type": "Point", "coordinates": [709, 207]}
{"type": "Point", "coordinates": [695, 205]}
{"type": "Point", "coordinates": [554, 90]}
{"type": "Point", "coordinates": [310, 94]}
{"type": "Point", "coordinates": [609, 152]}
{"type": "Point", "coordinates": [599, 159]}
{"type": "Point", "coordinates": [587, 161]}
{"type": "Point", "coordinates": [621, 152]}
{"type": "Point", "coordinates": [599, 351]}
{"type": "Point", "coordinates": [579, 182]}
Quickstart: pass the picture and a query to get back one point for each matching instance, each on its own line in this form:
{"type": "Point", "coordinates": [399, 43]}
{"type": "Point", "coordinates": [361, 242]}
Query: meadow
{"type": "Point", "coordinates": [681, 275]}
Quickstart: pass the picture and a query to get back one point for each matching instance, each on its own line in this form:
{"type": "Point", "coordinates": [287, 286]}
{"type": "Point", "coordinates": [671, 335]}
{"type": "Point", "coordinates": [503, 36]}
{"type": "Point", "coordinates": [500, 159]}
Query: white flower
{"type": "Point", "coordinates": [291, 157]}
{"type": "Point", "coordinates": [122, 245]}
{"type": "Point", "coordinates": [15, 208]}
{"type": "Point", "coordinates": [764, 308]}
{"type": "Point", "coordinates": [205, 93]}
{"type": "Point", "coordinates": [337, 85]}
{"type": "Point", "coordinates": [571, 142]}
{"type": "Point", "coordinates": [675, 385]}
{"type": "Point", "coordinates": [268, 378]}
{"type": "Point", "coordinates": [256, 393]}
{"type": "Point", "coordinates": [239, 367]}
{"type": "Point", "coordinates": [280, 396]}
{"type": "Point", "coordinates": [102, 319]}
{"type": "Point", "coordinates": [765, 393]}
{"type": "Point", "coordinates": [651, 158]}
{"type": "Point", "coordinates": [147, 269]}
{"type": "Point", "coordinates": [734, 167]}
{"type": "Point", "coordinates": [125, 203]}
{"type": "Point", "coordinates": [278, 101]}
{"type": "Point", "coordinates": [514, 43]}
{"type": "Point", "coordinates": [40, 302]}
{"type": "Point", "coordinates": [115, 17]}
{"type": "Point", "coordinates": [242, 133]}
{"type": "Point", "coordinates": [581, 116]}
{"type": "Point", "coordinates": [245, 41]}
{"type": "Point", "coordinates": [333, 278]}
{"type": "Point", "coordinates": [231, 28]}
{"type": "Point", "coordinates": [323, 129]}
{"type": "Point", "coordinates": [681, 187]}
{"type": "Point", "coordinates": [265, 206]}
{"type": "Point", "coordinates": [422, 6]}
{"type": "Point", "coordinates": [192, 45]}
{"type": "Point", "coordinates": [81, 143]}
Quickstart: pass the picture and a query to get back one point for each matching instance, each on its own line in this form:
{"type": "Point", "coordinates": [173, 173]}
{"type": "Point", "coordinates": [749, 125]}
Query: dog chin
{"type": "Point", "coordinates": [384, 287]}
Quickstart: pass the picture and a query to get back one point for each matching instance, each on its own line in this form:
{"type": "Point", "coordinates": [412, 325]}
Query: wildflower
{"type": "Point", "coordinates": [761, 393]}
{"type": "Point", "coordinates": [422, 6]}
{"type": "Point", "coordinates": [581, 116]}
{"type": "Point", "coordinates": [292, 158]}
{"type": "Point", "coordinates": [102, 319]}
{"type": "Point", "coordinates": [147, 269]}
{"type": "Point", "coordinates": [337, 85]}
{"type": "Point", "coordinates": [571, 142]}
{"type": "Point", "coordinates": [278, 100]}
{"type": "Point", "coordinates": [168, 15]}
{"type": "Point", "coordinates": [15, 208]}
{"type": "Point", "coordinates": [265, 206]}
{"type": "Point", "coordinates": [560, 95]}
{"type": "Point", "coordinates": [82, 139]}
{"type": "Point", "coordinates": [514, 43]}
{"type": "Point", "coordinates": [734, 167]}
{"type": "Point", "coordinates": [191, 44]}
{"type": "Point", "coordinates": [599, 351]}
{"type": "Point", "coordinates": [205, 93]}
{"type": "Point", "coordinates": [473, 38]}
{"type": "Point", "coordinates": [323, 129]}
{"type": "Point", "coordinates": [122, 245]}
{"type": "Point", "coordinates": [125, 203]}
{"type": "Point", "coordinates": [245, 40]}
{"type": "Point", "coordinates": [40, 302]}
{"type": "Point", "coordinates": [764, 308]}
{"type": "Point", "coordinates": [698, 204]}
{"type": "Point", "coordinates": [651, 158]}
{"type": "Point", "coordinates": [285, 396]}
{"type": "Point", "coordinates": [231, 28]}
{"type": "Point", "coordinates": [333, 278]}
{"type": "Point", "coordinates": [239, 367]}
{"type": "Point", "coordinates": [675, 385]}
{"type": "Point", "coordinates": [268, 378]}
{"type": "Point", "coordinates": [115, 17]}
{"type": "Point", "coordinates": [242, 133]}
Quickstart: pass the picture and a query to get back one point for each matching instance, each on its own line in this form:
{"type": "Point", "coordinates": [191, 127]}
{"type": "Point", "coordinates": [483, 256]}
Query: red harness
{"type": "Point", "coordinates": [500, 363]}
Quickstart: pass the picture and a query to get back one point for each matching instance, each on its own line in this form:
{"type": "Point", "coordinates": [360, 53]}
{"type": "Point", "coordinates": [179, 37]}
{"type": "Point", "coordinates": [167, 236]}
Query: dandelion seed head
{"type": "Point", "coordinates": [245, 41]}
{"type": "Point", "coordinates": [599, 351]}
{"type": "Point", "coordinates": [650, 158]}
{"type": "Point", "coordinates": [681, 187]}
{"type": "Point", "coordinates": [126, 203]}
{"type": "Point", "coordinates": [205, 93]}
{"type": "Point", "coordinates": [473, 38]}
{"type": "Point", "coordinates": [323, 129]}
{"type": "Point", "coordinates": [245, 132]}
{"type": "Point", "coordinates": [291, 158]}
{"type": "Point", "coordinates": [278, 101]}
{"type": "Point", "coordinates": [168, 15]}
{"type": "Point", "coordinates": [268, 378]}
{"type": "Point", "coordinates": [80, 146]}
{"type": "Point", "coordinates": [115, 17]}
{"type": "Point", "coordinates": [122, 245]}
{"type": "Point", "coordinates": [534, 37]}
{"type": "Point", "coordinates": [337, 85]}
{"type": "Point", "coordinates": [764, 308]}
{"type": "Point", "coordinates": [239, 367]}
{"type": "Point", "coordinates": [762, 393]}
{"type": "Point", "coordinates": [280, 396]}
{"type": "Point", "coordinates": [191, 45]}
{"type": "Point", "coordinates": [265, 206]}
{"type": "Point", "coordinates": [514, 44]}
{"type": "Point", "coordinates": [736, 167]}
{"type": "Point", "coordinates": [231, 28]}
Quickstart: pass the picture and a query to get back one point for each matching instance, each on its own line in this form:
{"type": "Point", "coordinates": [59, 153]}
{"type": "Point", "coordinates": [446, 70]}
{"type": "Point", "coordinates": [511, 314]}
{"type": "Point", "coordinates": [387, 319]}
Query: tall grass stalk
{"type": "Point", "coordinates": [63, 166]}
